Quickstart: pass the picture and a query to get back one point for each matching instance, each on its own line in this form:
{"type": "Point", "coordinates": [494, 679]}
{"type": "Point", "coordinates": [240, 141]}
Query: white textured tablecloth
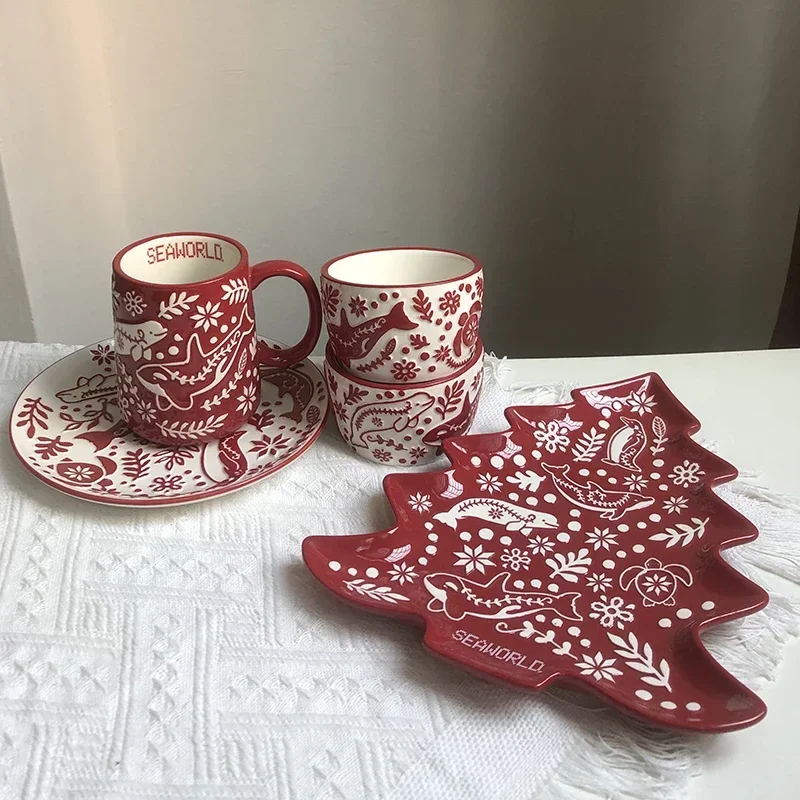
{"type": "Point", "coordinates": [187, 652]}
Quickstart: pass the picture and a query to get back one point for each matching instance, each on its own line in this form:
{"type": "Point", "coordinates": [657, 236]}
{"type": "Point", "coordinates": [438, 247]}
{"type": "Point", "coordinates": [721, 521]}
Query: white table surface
{"type": "Point", "coordinates": [749, 403]}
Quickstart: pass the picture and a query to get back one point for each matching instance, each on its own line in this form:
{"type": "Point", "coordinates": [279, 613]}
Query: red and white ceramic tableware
{"type": "Point", "coordinates": [403, 315]}
{"type": "Point", "coordinates": [67, 429]}
{"type": "Point", "coordinates": [581, 546]}
{"type": "Point", "coordinates": [403, 425]}
{"type": "Point", "coordinates": [186, 349]}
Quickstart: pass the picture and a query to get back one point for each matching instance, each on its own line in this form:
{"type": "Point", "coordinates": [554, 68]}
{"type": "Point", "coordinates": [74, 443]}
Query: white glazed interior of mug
{"type": "Point", "coordinates": [402, 267]}
{"type": "Point", "coordinates": [188, 258]}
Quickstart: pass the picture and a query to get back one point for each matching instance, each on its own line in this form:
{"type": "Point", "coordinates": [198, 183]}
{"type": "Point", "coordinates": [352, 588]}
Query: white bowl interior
{"type": "Point", "coordinates": [400, 267]}
{"type": "Point", "coordinates": [180, 259]}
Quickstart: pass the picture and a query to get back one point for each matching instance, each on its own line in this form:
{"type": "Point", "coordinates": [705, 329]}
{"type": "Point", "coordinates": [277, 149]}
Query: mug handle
{"type": "Point", "coordinates": [269, 356]}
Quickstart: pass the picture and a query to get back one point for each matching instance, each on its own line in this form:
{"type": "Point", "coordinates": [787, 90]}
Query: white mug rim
{"type": "Point", "coordinates": [477, 268]}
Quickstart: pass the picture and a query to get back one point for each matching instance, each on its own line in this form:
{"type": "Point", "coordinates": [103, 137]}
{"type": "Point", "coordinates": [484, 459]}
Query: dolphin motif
{"type": "Point", "coordinates": [625, 445]}
{"type": "Point", "coordinates": [611, 504]}
{"type": "Point", "coordinates": [135, 339]}
{"type": "Point", "coordinates": [501, 512]}
{"type": "Point", "coordinates": [356, 341]}
{"type": "Point", "coordinates": [458, 597]}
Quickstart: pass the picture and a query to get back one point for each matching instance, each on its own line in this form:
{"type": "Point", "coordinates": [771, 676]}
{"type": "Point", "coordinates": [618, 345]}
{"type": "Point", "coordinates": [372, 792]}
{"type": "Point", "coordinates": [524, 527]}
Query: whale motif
{"type": "Point", "coordinates": [135, 339]}
{"type": "Point", "coordinates": [611, 504]}
{"type": "Point", "coordinates": [455, 426]}
{"type": "Point", "coordinates": [388, 415]}
{"type": "Point", "coordinates": [501, 512]}
{"type": "Point", "coordinates": [175, 384]}
{"type": "Point", "coordinates": [625, 445]}
{"type": "Point", "coordinates": [458, 597]}
{"type": "Point", "coordinates": [356, 341]}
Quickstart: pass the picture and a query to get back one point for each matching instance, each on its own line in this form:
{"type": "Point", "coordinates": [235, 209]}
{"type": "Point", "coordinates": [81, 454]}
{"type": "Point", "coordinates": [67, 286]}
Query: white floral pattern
{"type": "Point", "coordinates": [686, 474]}
{"type": "Point", "coordinates": [598, 667]}
{"type": "Point", "coordinates": [247, 398]}
{"type": "Point", "coordinates": [515, 559]}
{"type": "Point", "coordinates": [636, 483]}
{"type": "Point", "coordinates": [601, 538]}
{"type": "Point", "coordinates": [641, 403]}
{"type": "Point", "coordinates": [598, 582]}
{"type": "Point", "coordinates": [656, 583]}
{"type": "Point", "coordinates": [489, 483]}
{"type": "Point", "coordinates": [474, 559]}
{"type": "Point", "coordinates": [674, 505]}
{"type": "Point", "coordinates": [612, 612]}
{"type": "Point", "coordinates": [145, 409]}
{"type": "Point", "coordinates": [541, 545]}
{"type": "Point", "coordinates": [207, 316]}
{"type": "Point", "coordinates": [402, 573]}
{"type": "Point", "coordinates": [420, 502]}
{"type": "Point", "coordinates": [552, 435]}
{"type": "Point", "coordinates": [134, 303]}
{"type": "Point", "coordinates": [77, 472]}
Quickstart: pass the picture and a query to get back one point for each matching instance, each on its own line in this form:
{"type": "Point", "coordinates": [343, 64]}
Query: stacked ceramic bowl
{"type": "Point", "coordinates": [404, 362]}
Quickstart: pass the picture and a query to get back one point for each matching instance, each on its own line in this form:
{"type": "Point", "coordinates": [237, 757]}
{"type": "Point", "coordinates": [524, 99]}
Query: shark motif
{"type": "Point", "coordinates": [135, 339]}
{"type": "Point", "coordinates": [458, 597]}
{"type": "Point", "coordinates": [626, 444]}
{"type": "Point", "coordinates": [356, 341]}
{"type": "Point", "coordinates": [175, 384]}
{"type": "Point", "coordinates": [388, 416]}
{"type": "Point", "coordinates": [611, 504]}
{"type": "Point", "coordinates": [501, 512]}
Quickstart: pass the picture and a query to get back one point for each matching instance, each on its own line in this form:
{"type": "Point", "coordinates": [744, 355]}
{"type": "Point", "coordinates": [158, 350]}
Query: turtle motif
{"type": "Point", "coordinates": [656, 582]}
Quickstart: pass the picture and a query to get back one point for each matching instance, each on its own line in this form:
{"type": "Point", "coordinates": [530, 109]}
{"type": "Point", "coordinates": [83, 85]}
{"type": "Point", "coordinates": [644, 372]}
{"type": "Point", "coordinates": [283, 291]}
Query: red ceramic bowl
{"type": "Point", "coordinates": [404, 314]}
{"type": "Point", "coordinates": [403, 425]}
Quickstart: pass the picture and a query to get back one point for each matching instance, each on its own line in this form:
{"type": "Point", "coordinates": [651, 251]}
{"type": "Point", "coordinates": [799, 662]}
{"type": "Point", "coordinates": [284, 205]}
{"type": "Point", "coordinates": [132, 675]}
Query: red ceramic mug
{"type": "Point", "coordinates": [185, 339]}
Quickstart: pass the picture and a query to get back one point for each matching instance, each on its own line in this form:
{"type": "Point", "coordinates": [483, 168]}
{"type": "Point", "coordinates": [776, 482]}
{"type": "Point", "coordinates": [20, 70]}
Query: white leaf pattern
{"type": "Point", "coordinates": [192, 430]}
{"type": "Point", "coordinates": [682, 534]}
{"type": "Point", "coordinates": [373, 592]}
{"type": "Point", "coordinates": [236, 291]}
{"type": "Point", "coordinates": [177, 303]}
{"type": "Point", "coordinates": [569, 565]}
{"type": "Point", "coordinates": [588, 445]}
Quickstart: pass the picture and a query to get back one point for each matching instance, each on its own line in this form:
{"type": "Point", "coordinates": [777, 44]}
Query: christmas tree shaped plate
{"type": "Point", "coordinates": [579, 547]}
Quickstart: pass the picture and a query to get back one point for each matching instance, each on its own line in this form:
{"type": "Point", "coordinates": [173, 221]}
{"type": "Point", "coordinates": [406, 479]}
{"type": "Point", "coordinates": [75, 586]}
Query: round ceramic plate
{"type": "Point", "coordinates": [66, 429]}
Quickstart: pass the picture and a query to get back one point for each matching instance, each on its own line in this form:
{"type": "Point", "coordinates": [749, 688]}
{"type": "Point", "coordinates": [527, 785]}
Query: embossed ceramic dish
{"type": "Point", "coordinates": [67, 430]}
{"type": "Point", "coordinates": [403, 425]}
{"type": "Point", "coordinates": [581, 546]}
{"type": "Point", "coordinates": [404, 314]}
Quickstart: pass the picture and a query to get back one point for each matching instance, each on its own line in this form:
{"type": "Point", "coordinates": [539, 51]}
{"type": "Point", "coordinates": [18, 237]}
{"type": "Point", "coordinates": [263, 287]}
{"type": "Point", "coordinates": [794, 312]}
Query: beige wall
{"type": "Point", "coordinates": [16, 322]}
{"type": "Point", "coordinates": [629, 172]}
